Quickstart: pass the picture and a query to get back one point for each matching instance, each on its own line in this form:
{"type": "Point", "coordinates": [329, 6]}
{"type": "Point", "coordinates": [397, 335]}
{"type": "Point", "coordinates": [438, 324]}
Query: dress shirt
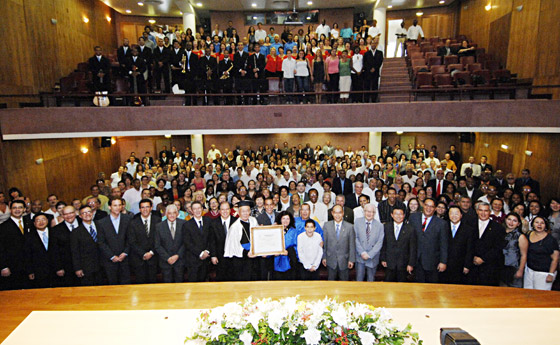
{"type": "Point", "coordinates": [319, 212]}
{"type": "Point", "coordinates": [309, 250]}
{"type": "Point", "coordinates": [397, 230]}
{"type": "Point", "coordinates": [271, 217]}
{"type": "Point", "coordinates": [172, 225]}
{"type": "Point", "coordinates": [42, 234]}
{"type": "Point", "coordinates": [414, 32]}
{"type": "Point", "coordinates": [147, 221]}
{"type": "Point", "coordinates": [116, 222]}
{"type": "Point", "coordinates": [132, 198]}
{"type": "Point", "coordinates": [374, 31]}
{"type": "Point", "coordinates": [260, 35]}
{"type": "Point", "coordinates": [357, 63]}
{"type": "Point", "coordinates": [288, 67]}
{"type": "Point", "coordinates": [323, 29]}
{"type": "Point", "coordinates": [225, 223]}
{"type": "Point", "coordinates": [454, 228]}
{"type": "Point", "coordinates": [72, 226]}
{"type": "Point", "coordinates": [401, 31]}
{"type": "Point", "coordinates": [54, 213]}
{"type": "Point", "coordinates": [482, 227]}
{"type": "Point", "coordinates": [428, 220]}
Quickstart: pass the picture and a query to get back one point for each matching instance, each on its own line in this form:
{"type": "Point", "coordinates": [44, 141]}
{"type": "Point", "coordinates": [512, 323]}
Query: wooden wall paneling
{"type": "Point", "coordinates": [441, 140]}
{"type": "Point", "coordinates": [499, 38]}
{"type": "Point", "coordinates": [128, 31]}
{"type": "Point", "coordinates": [523, 38]}
{"type": "Point", "coordinates": [547, 71]}
{"type": "Point", "coordinates": [20, 169]}
{"type": "Point", "coordinates": [544, 163]}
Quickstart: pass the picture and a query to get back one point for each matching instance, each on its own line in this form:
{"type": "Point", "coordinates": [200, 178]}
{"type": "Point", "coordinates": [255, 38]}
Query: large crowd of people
{"type": "Point", "coordinates": [222, 62]}
{"type": "Point", "coordinates": [419, 215]}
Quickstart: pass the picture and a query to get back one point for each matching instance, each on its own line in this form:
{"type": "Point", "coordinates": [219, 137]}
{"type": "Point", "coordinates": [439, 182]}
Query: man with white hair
{"type": "Point", "coordinates": [169, 246]}
{"type": "Point", "coordinates": [238, 245]}
{"type": "Point", "coordinates": [369, 240]}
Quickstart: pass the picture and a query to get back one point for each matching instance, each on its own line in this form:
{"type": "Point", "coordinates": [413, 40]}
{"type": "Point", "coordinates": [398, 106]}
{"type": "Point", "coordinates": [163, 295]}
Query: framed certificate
{"type": "Point", "coordinates": [267, 240]}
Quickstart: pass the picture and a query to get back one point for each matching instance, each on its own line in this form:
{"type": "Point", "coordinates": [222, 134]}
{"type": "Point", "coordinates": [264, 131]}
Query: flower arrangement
{"type": "Point", "coordinates": [293, 321]}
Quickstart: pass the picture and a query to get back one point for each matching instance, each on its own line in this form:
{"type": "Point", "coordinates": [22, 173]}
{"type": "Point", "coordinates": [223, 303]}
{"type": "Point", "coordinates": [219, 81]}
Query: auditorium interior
{"type": "Point", "coordinates": [63, 126]}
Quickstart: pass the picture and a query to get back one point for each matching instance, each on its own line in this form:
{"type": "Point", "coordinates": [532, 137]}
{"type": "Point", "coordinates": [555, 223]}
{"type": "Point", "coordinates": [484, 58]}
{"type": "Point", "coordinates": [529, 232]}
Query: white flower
{"type": "Point", "coordinates": [339, 316]}
{"type": "Point", "coordinates": [366, 338]}
{"type": "Point", "coordinates": [312, 336]}
{"type": "Point", "coordinates": [246, 338]}
{"type": "Point", "coordinates": [216, 331]}
{"type": "Point", "coordinates": [275, 320]}
{"type": "Point", "coordinates": [254, 319]}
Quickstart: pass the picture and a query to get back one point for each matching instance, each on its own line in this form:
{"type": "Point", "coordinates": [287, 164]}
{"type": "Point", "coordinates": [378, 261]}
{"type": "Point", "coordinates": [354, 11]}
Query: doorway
{"type": "Point", "coordinates": [392, 27]}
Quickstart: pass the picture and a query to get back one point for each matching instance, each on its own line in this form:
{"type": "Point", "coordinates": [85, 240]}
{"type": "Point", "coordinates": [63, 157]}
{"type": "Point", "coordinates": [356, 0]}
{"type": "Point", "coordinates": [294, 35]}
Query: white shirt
{"type": "Point", "coordinates": [359, 212]}
{"type": "Point", "coordinates": [411, 181]}
{"type": "Point", "coordinates": [72, 226]}
{"type": "Point", "coordinates": [309, 250]}
{"type": "Point", "coordinates": [373, 31]}
{"type": "Point", "coordinates": [351, 172]}
{"type": "Point", "coordinates": [212, 154]}
{"type": "Point", "coordinates": [319, 212]}
{"type": "Point", "coordinates": [429, 160]}
{"type": "Point", "coordinates": [115, 179]}
{"type": "Point", "coordinates": [288, 67]}
{"type": "Point", "coordinates": [55, 214]}
{"type": "Point", "coordinates": [358, 65]}
{"type": "Point", "coordinates": [482, 224]}
{"type": "Point", "coordinates": [220, 33]}
{"type": "Point", "coordinates": [302, 69]}
{"type": "Point", "coordinates": [401, 31]}
{"type": "Point", "coordinates": [132, 198]}
{"type": "Point", "coordinates": [414, 32]}
{"type": "Point", "coordinates": [397, 230]}
{"type": "Point", "coordinates": [338, 153]}
{"type": "Point", "coordinates": [335, 33]}
{"type": "Point", "coordinates": [323, 29]}
{"type": "Point", "coordinates": [260, 35]}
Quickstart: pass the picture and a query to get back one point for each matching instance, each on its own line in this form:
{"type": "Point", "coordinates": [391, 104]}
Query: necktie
{"type": "Point", "coordinates": [337, 231]}
{"type": "Point", "coordinates": [397, 231]}
{"type": "Point", "coordinates": [173, 230]}
{"type": "Point", "coordinates": [271, 219]}
{"type": "Point", "coordinates": [93, 233]}
{"type": "Point", "coordinates": [313, 208]}
{"type": "Point", "coordinates": [454, 230]}
{"type": "Point", "coordinates": [438, 190]}
{"type": "Point", "coordinates": [225, 228]}
{"type": "Point", "coordinates": [188, 62]}
{"type": "Point", "coordinates": [21, 227]}
{"type": "Point", "coordinates": [368, 230]}
{"type": "Point", "coordinates": [45, 240]}
{"type": "Point", "coordinates": [200, 225]}
{"type": "Point", "coordinates": [146, 228]}
{"type": "Point", "coordinates": [424, 224]}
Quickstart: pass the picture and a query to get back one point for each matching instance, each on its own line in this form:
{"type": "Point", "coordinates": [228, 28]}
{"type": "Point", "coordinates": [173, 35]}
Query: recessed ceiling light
{"type": "Point", "coordinates": [308, 18]}
{"type": "Point", "coordinates": [151, 21]}
{"type": "Point", "coordinates": [390, 6]}
{"type": "Point", "coordinates": [140, 4]}
{"type": "Point", "coordinates": [199, 4]}
{"type": "Point", "coordinates": [108, 18]}
{"type": "Point", "coordinates": [85, 19]}
{"type": "Point", "coordinates": [419, 14]}
{"type": "Point", "coordinates": [181, 13]}
{"type": "Point", "coordinates": [442, 2]}
{"type": "Point", "coordinates": [254, 18]}
{"type": "Point", "coordinates": [128, 11]}
{"type": "Point", "coordinates": [253, 5]}
{"type": "Point", "coordinates": [310, 3]}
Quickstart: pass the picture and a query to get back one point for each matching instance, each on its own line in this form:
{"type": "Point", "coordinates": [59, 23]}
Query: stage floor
{"type": "Point", "coordinates": [166, 299]}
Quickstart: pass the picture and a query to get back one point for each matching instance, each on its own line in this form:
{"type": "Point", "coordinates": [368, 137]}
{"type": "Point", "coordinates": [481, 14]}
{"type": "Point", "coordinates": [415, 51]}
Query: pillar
{"type": "Point", "coordinates": [197, 146]}
{"type": "Point", "coordinates": [379, 14]}
{"type": "Point", "coordinates": [374, 147]}
{"type": "Point", "coordinates": [189, 20]}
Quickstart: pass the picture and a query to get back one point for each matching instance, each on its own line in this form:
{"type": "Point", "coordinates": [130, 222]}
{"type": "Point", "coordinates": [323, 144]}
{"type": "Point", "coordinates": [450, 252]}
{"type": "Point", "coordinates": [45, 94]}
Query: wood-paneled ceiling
{"type": "Point", "coordinates": [173, 8]}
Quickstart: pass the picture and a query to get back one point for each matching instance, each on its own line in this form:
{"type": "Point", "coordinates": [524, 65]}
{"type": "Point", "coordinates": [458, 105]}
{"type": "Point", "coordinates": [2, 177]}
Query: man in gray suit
{"type": "Point", "coordinates": [339, 250]}
{"type": "Point", "coordinates": [169, 246]}
{"type": "Point", "coordinates": [432, 240]}
{"type": "Point", "coordinates": [369, 240]}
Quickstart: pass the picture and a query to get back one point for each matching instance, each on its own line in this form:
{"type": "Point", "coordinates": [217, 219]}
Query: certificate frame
{"type": "Point", "coordinates": [267, 240]}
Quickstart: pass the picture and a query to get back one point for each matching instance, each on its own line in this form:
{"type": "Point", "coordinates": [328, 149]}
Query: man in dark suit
{"type": "Point", "coordinates": [265, 265]}
{"type": "Point", "coordinates": [146, 53]}
{"type": "Point", "coordinates": [353, 199]}
{"type": "Point", "coordinates": [488, 243]}
{"type": "Point", "coordinates": [93, 203]}
{"type": "Point", "coordinates": [386, 206]}
{"type": "Point", "coordinates": [41, 255]}
{"type": "Point", "coordinates": [176, 63]}
{"type": "Point", "coordinates": [347, 211]}
{"type": "Point", "coordinates": [269, 215]}
{"type": "Point", "coordinates": [484, 165]}
{"type": "Point", "coordinates": [455, 156]}
{"type": "Point", "coordinates": [170, 246]}
{"type": "Point", "coordinates": [431, 234]}
{"type": "Point", "coordinates": [12, 244]}
{"type": "Point", "coordinates": [195, 238]}
{"type": "Point", "coordinates": [113, 243]}
{"type": "Point", "coordinates": [499, 182]}
{"type": "Point", "coordinates": [123, 53]}
{"type": "Point", "coordinates": [373, 59]}
{"type": "Point", "coordinates": [339, 246]}
{"type": "Point", "coordinates": [446, 49]}
{"type": "Point", "coordinates": [460, 257]}
{"type": "Point", "coordinates": [398, 253]}
{"type": "Point", "coordinates": [85, 252]}
{"type": "Point", "coordinates": [470, 191]}
{"type": "Point", "coordinates": [141, 234]}
{"type": "Point", "coordinates": [99, 67]}
{"type": "Point", "coordinates": [526, 180]}
{"type": "Point", "coordinates": [260, 83]}
{"type": "Point", "coordinates": [439, 184]}
{"type": "Point", "coordinates": [468, 214]}
{"type": "Point", "coordinates": [61, 236]}
{"type": "Point", "coordinates": [36, 208]}
{"type": "Point", "coordinates": [135, 68]}
{"type": "Point", "coordinates": [241, 68]}
{"type": "Point", "coordinates": [208, 76]}
{"type": "Point", "coordinates": [341, 184]}
{"type": "Point", "coordinates": [160, 57]}
{"type": "Point", "coordinates": [225, 70]}
{"type": "Point", "coordinates": [192, 73]}
{"type": "Point", "coordinates": [217, 241]}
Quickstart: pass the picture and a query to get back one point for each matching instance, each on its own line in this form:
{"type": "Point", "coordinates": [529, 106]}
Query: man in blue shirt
{"type": "Point", "coordinates": [346, 33]}
{"type": "Point", "coordinates": [290, 44]}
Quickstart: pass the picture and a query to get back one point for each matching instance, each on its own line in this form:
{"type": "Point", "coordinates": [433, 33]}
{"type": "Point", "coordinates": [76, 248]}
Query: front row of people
{"type": "Point", "coordinates": [467, 249]}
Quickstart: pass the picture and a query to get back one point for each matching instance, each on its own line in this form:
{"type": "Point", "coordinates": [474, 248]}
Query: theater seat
{"type": "Point", "coordinates": [467, 60]}
{"type": "Point", "coordinates": [474, 67]}
{"type": "Point", "coordinates": [481, 77]}
{"type": "Point", "coordinates": [67, 85]}
{"type": "Point", "coordinates": [450, 59]}
{"type": "Point", "coordinates": [492, 65]}
{"type": "Point", "coordinates": [437, 69]}
{"type": "Point", "coordinates": [444, 80]}
{"type": "Point", "coordinates": [424, 80]}
{"type": "Point", "coordinates": [462, 79]}
{"type": "Point", "coordinates": [434, 60]}
{"type": "Point", "coordinates": [456, 66]}
{"type": "Point", "coordinates": [427, 48]}
{"type": "Point", "coordinates": [503, 77]}
{"type": "Point", "coordinates": [428, 55]}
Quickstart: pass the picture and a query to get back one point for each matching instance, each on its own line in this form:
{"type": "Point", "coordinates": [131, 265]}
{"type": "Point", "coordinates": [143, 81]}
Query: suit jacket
{"type": "Point", "coordinates": [12, 244]}
{"type": "Point", "coordinates": [192, 63]}
{"type": "Point", "coordinates": [535, 185]}
{"type": "Point", "coordinates": [241, 62]}
{"type": "Point", "coordinates": [161, 56]}
{"type": "Point", "coordinates": [167, 246]}
{"type": "Point", "coordinates": [263, 218]}
{"type": "Point", "coordinates": [348, 215]}
{"type": "Point", "coordinates": [28, 221]}
{"type": "Point", "coordinates": [40, 261]}
{"type": "Point", "coordinates": [85, 251]}
{"type": "Point", "coordinates": [401, 252]}
{"type": "Point", "coordinates": [61, 235]}
{"type": "Point", "coordinates": [122, 56]}
{"type": "Point", "coordinates": [338, 252]}
{"type": "Point", "coordinates": [337, 186]}
{"type": "Point", "coordinates": [489, 247]}
{"type": "Point", "coordinates": [141, 243]}
{"type": "Point", "coordinates": [433, 183]}
{"type": "Point", "coordinates": [373, 60]}
{"type": "Point", "coordinates": [351, 200]}
{"type": "Point", "coordinates": [442, 51]}
{"type": "Point", "coordinates": [224, 66]}
{"type": "Point", "coordinates": [460, 248]}
{"type": "Point", "coordinates": [204, 63]}
{"type": "Point", "coordinates": [196, 241]}
{"type": "Point", "coordinates": [140, 64]}
{"type": "Point", "coordinates": [110, 243]}
{"type": "Point", "coordinates": [99, 214]}
{"type": "Point", "coordinates": [94, 66]}
{"type": "Point", "coordinates": [217, 238]}
{"type": "Point", "coordinates": [486, 166]}
{"type": "Point", "coordinates": [146, 54]}
{"type": "Point", "coordinates": [260, 63]}
{"type": "Point", "coordinates": [175, 60]}
{"type": "Point", "coordinates": [372, 245]}
{"type": "Point", "coordinates": [432, 243]}
{"type": "Point", "coordinates": [477, 193]}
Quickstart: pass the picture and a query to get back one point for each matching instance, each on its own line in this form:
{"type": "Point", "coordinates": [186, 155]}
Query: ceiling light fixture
{"type": "Point", "coordinates": [167, 136]}
{"type": "Point", "coordinates": [442, 2]}
{"type": "Point", "coordinates": [488, 7]}
{"type": "Point", "coordinates": [85, 19]}
{"type": "Point", "coordinates": [128, 11]}
{"type": "Point", "coordinates": [84, 150]}
{"type": "Point", "coordinates": [390, 6]}
{"type": "Point", "coordinates": [199, 4]}
{"type": "Point", "coordinates": [140, 4]}
{"type": "Point", "coordinates": [504, 146]}
{"type": "Point", "coordinates": [253, 5]}
{"type": "Point", "coordinates": [151, 21]}
{"type": "Point", "coordinates": [419, 14]}
{"type": "Point", "coordinates": [310, 3]}
{"type": "Point", "coordinates": [113, 141]}
{"type": "Point", "coordinates": [400, 132]}
{"type": "Point", "coordinates": [108, 19]}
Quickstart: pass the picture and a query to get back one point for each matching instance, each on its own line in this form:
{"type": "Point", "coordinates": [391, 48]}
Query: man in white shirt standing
{"type": "Point", "coordinates": [323, 29]}
{"type": "Point", "coordinates": [211, 156]}
{"type": "Point", "coordinates": [133, 196]}
{"type": "Point", "coordinates": [319, 210]}
{"type": "Point", "coordinates": [373, 30]}
{"type": "Point", "coordinates": [310, 251]}
{"type": "Point", "coordinates": [260, 34]}
{"type": "Point", "coordinates": [414, 31]}
{"type": "Point", "coordinates": [401, 39]}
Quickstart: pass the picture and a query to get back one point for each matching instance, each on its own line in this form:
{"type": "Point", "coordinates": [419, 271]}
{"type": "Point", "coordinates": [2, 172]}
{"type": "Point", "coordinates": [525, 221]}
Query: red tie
{"type": "Point", "coordinates": [438, 190]}
{"type": "Point", "coordinates": [424, 224]}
